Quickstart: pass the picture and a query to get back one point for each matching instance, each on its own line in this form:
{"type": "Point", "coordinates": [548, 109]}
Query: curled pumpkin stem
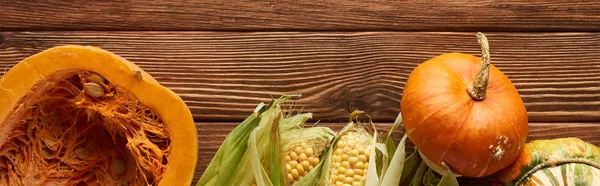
{"type": "Point", "coordinates": [477, 89]}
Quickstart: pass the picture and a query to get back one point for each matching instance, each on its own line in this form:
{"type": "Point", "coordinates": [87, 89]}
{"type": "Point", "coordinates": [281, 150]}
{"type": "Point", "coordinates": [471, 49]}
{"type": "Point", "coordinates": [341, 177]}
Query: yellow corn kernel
{"type": "Point", "coordinates": [350, 158]}
{"type": "Point", "coordinates": [302, 159]}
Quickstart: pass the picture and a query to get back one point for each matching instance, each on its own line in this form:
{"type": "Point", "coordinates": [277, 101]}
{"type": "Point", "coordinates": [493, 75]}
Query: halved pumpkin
{"type": "Point", "coordinates": [80, 115]}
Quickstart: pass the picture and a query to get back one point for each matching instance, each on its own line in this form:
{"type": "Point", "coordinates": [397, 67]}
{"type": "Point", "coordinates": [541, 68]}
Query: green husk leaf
{"type": "Point", "coordinates": [448, 179]}
{"type": "Point", "coordinates": [372, 176]}
{"type": "Point", "coordinates": [295, 122]}
{"type": "Point", "coordinates": [258, 160]}
{"type": "Point", "coordinates": [428, 177]}
{"type": "Point", "coordinates": [431, 178]}
{"type": "Point", "coordinates": [389, 142]}
{"type": "Point", "coordinates": [260, 174]}
{"type": "Point", "coordinates": [390, 147]}
{"type": "Point", "coordinates": [394, 172]}
{"type": "Point", "coordinates": [409, 164]}
{"type": "Point", "coordinates": [326, 165]}
{"type": "Point", "coordinates": [276, 165]}
{"type": "Point", "coordinates": [372, 171]}
{"type": "Point", "coordinates": [231, 151]}
{"type": "Point", "coordinates": [418, 178]}
{"type": "Point", "coordinates": [265, 154]}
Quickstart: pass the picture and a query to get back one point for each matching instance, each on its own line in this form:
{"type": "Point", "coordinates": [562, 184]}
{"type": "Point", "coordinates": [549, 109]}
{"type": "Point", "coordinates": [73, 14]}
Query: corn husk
{"type": "Point", "coordinates": [251, 152]}
{"type": "Point", "coordinates": [231, 150]}
{"type": "Point", "coordinates": [264, 152]}
{"type": "Point", "coordinates": [424, 175]}
{"type": "Point", "coordinates": [393, 161]}
{"type": "Point", "coordinates": [396, 167]}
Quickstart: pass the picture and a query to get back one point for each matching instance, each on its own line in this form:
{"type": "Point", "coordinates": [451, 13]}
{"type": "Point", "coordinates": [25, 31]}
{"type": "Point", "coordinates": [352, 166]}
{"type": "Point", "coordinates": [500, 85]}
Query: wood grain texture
{"type": "Point", "coordinates": [211, 135]}
{"type": "Point", "coordinates": [223, 75]}
{"type": "Point", "coordinates": [295, 15]}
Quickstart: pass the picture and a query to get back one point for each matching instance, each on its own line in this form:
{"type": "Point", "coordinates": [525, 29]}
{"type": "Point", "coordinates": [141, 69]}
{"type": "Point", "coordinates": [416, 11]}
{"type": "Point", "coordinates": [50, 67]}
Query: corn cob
{"type": "Point", "coordinates": [300, 161]}
{"type": "Point", "coordinates": [302, 149]}
{"type": "Point", "coordinates": [351, 160]}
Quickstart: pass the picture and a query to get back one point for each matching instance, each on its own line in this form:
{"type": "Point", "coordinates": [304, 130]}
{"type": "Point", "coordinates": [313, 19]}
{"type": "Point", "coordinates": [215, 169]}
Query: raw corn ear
{"type": "Point", "coordinates": [352, 158]}
{"type": "Point", "coordinates": [250, 151]}
{"type": "Point", "coordinates": [302, 149]}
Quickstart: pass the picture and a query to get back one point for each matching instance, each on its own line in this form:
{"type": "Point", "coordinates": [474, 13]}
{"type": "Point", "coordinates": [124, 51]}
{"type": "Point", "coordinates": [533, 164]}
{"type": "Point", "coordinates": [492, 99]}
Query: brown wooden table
{"type": "Point", "coordinates": [224, 57]}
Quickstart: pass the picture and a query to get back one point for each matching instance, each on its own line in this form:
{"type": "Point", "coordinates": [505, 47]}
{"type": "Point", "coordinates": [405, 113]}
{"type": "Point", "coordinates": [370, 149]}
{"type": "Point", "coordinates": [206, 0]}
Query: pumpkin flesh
{"type": "Point", "coordinates": [62, 135]}
{"type": "Point", "coordinates": [82, 115]}
{"type": "Point", "coordinates": [474, 138]}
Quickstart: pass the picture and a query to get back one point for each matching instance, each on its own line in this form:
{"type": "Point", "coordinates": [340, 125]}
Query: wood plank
{"type": "Point", "coordinates": [348, 15]}
{"type": "Point", "coordinates": [222, 76]}
{"type": "Point", "coordinates": [211, 135]}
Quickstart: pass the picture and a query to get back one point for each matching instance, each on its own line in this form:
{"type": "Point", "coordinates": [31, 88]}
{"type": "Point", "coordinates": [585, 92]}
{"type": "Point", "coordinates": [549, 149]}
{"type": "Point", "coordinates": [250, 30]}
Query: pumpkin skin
{"type": "Point", "coordinates": [18, 82]}
{"type": "Point", "coordinates": [474, 138]}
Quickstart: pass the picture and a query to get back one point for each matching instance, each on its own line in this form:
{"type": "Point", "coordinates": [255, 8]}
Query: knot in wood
{"type": "Point", "coordinates": [355, 105]}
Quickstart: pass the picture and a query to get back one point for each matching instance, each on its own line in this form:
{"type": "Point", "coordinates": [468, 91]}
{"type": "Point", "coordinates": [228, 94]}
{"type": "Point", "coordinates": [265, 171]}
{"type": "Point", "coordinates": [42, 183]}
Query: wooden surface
{"type": "Point", "coordinates": [224, 57]}
{"type": "Point", "coordinates": [223, 75]}
{"type": "Point", "coordinates": [436, 15]}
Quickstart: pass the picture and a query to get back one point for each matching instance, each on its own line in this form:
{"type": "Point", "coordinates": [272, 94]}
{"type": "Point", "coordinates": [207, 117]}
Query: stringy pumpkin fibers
{"type": "Point", "coordinates": [60, 135]}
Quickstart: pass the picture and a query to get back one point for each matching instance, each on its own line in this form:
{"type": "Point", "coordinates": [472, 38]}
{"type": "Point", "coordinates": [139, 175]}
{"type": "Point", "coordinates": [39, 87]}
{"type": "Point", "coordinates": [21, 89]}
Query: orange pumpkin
{"type": "Point", "coordinates": [75, 115]}
{"type": "Point", "coordinates": [462, 111]}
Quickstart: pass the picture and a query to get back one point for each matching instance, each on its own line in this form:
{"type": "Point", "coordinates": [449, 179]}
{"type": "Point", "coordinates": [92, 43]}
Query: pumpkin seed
{"type": "Point", "coordinates": [157, 140]}
{"type": "Point", "coordinates": [46, 152]}
{"type": "Point", "coordinates": [50, 143]}
{"type": "Point", "coordinates": [93, 89]}
{"type": "Point", "coordinates": [96, 78]}
{"type": "Point", "coordinates": [89, 175]}
{"type": "Point", "coordinates": [117, 167]}
{"type": "Point", "coordinates": [92, 116]}
{"type": "Point", "coordinates": [138, 74]}
{"type": "Point", "coordinates": [81, 152]}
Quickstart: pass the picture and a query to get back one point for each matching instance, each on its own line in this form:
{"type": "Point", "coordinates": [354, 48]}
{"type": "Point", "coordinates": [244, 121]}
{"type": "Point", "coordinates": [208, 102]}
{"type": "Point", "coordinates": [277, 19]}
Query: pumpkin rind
{"type": "Point", "coordinates": [175, 115]}
{"type": "Point", "coordinates": [475, 138]}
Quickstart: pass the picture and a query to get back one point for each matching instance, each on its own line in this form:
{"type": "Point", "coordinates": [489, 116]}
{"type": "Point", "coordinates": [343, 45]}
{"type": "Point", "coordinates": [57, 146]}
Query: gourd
{"type": "Point", "coordinates": [460, 111]}
{"type": "Point", "coordinates": [561, 161]}
{"type": "Point", "coordinates": [82, 115]}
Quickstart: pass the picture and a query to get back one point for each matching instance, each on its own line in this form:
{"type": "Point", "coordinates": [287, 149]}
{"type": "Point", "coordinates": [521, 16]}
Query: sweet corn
{"type": "Point", "coordinates": [302, 149]}
{"type": "Point", "coordinates": [239, 160]}
{"type": "Point", "coordinates": [350, 158]}
{"type": "Point", "coordinates": [299, 165]}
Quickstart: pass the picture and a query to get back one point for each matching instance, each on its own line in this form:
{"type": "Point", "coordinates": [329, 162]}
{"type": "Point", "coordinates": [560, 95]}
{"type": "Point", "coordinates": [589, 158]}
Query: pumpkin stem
{"type": "Point", "coordinates": [477, 89]}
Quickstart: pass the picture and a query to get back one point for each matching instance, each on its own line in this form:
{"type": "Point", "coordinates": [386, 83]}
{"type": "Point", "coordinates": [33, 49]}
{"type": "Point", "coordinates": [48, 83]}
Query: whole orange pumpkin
{"type": "Point", "coordinates": [460, 110]}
